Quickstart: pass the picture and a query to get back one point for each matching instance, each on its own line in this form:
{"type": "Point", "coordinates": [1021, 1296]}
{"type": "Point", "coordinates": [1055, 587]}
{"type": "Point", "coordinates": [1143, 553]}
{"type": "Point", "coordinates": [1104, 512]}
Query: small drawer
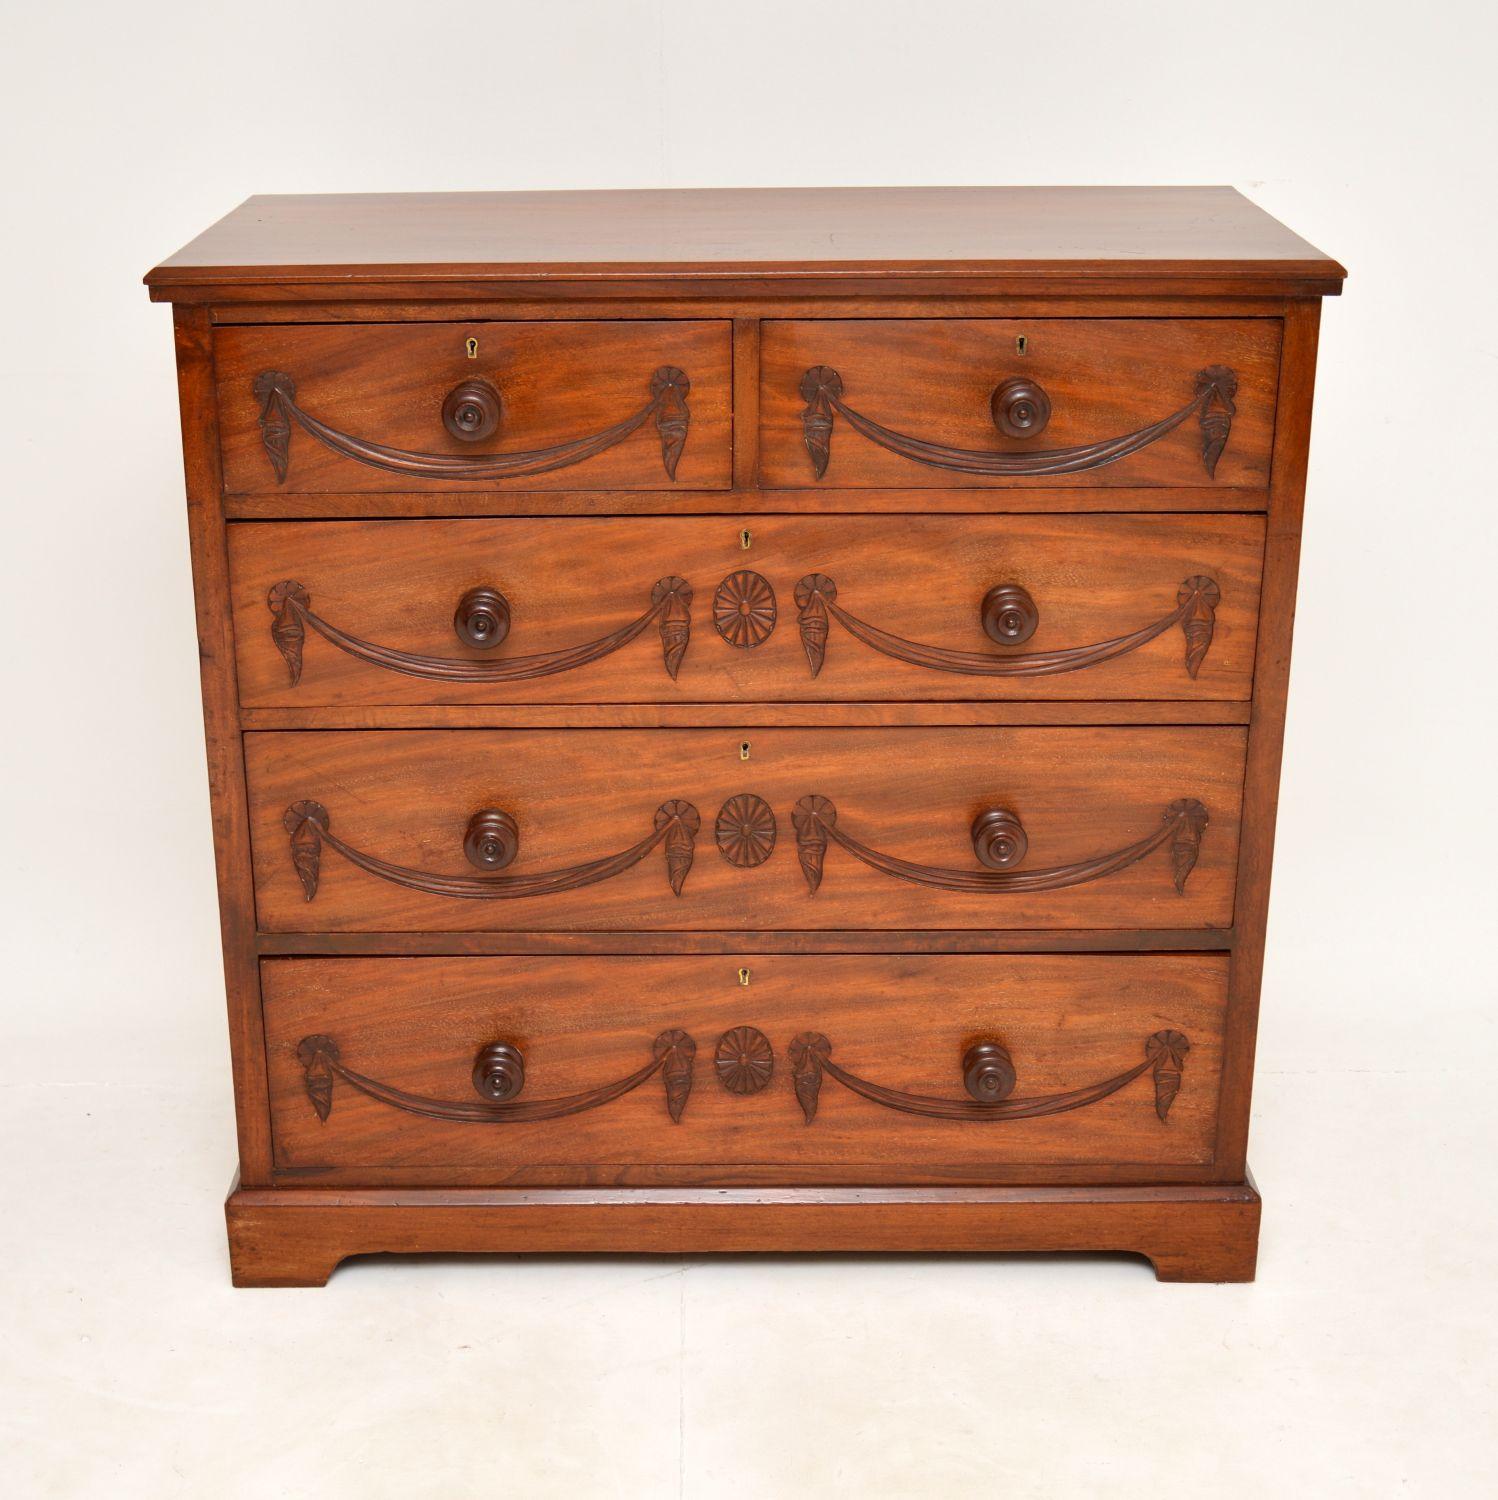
{"type": "Point", "coordinates": [755, 609]}
{"type": "Point", "coordinates": [765, 829]}
{"type": "Point", "coordinates": [474, 406]}
{"type": "Point", "coordinates": [937, 1068]}
{"type": "Point", "coordinates": [1061, 402]}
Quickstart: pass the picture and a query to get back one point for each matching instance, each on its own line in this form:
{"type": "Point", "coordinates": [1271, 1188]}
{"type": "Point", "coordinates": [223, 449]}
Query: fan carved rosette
{"type": "Point", "coordinates": [745, 831]}
{"type": "Point", "coordinates": [744, 609]}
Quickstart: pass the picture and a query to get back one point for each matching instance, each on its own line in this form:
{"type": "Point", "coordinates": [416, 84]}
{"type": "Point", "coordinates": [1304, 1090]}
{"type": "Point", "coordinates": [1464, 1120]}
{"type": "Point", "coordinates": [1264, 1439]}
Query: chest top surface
{"type": "Point", "coordinates": [1089, 238]}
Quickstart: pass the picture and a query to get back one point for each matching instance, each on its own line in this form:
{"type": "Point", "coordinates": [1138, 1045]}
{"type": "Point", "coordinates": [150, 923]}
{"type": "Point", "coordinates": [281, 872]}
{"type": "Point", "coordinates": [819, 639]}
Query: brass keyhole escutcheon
{"type": "Point", "coordinates": [745, 539]}
{"type": "Point", "coordinates": [743, 976]}
{"type": "Point", "coordinates": [1022, 345]}
{"type": "Point", "coordinates": [471, 346]}
{"type": "Point", "coordinates": [744, 750]}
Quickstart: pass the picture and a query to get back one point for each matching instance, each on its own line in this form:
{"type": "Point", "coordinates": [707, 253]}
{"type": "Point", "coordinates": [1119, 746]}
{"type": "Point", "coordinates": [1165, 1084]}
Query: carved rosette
{"type": "Point", "coordinates": [744, 1060]}
{"type": "Point", "coordinates": [1198, 599]}
{"type": "Point", "coordinates": [820, 387]}
{"type": "Point", "coordinates": [288, 602]}
{"type": "Point", "coordinates": [745, 831]}
{"type": "Point", "coordinates": [668, 389]}
{"type": "Point", "coordinates": [744, 609]}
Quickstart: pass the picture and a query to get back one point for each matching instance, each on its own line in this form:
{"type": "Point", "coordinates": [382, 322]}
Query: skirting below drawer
{"type": "Point", "coordinates": [297, 1237]}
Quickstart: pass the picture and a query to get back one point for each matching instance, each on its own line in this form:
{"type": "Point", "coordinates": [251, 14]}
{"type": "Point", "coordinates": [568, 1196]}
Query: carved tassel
{"type": "Point", "coordinates": [812, 595]}
{"type": "Point", "coordinates": [316, 1055]}
{"type": "Point", "coordinates": [304, 821]}
{"type": "Point", "coordinates": [807, 1052]}
{"type": "Point", "coordinates": [812, 817]}
{"type": "Point", "coordinates": [1199, 598]}
{"type": "Point", "coordinates": [273, 390]}
{"type": "Point", "coordinates": [1167, 1050]}
{"type": "Point", "coordinates": [676, 620]}
{"type": "Point", "coordinates": [681, 821]}
{"type": "Point", "coordinates": [1216, 386]}
{"type": "Point", "coordinates": [1190, 819]}
{"type": "Point", "coordinates": [670, 386]}
{"type": "Point", "coordinates": [818, 388]}
{"type": "Point", "coordinates": [678, 1049]}
{"type": "Point", "coordinates": [286, 627]}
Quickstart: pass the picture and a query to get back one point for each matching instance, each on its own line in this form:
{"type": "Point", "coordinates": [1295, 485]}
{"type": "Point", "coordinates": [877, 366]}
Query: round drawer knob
{"type": "Point", "coordinates": [498, 1072]}
{"type": "Point", "coordinates": [471, 411]}
{"type": "Point", "coordinates": [482, 618]}
{"type": "Point", "coordinates": [988, 1072]}
{"type": "Point", "coordinates": [998, 839]}
{"type": "Point", "coordinates": [1009, 614]}
{"type": "Point", "coordinates": [1020, 407]}
{"type": "Point", "coordinates": [492, 840]}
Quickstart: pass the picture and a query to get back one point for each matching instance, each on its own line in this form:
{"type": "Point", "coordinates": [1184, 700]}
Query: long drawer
{"type": "Point", "coordinates": [839, 1069]}
{"type": "Point", "coordinates": [675, 829]}
{"type": "Point", "coordinates": [1173, 402]}
{"type": "Point", "coordinates": [761, 609]}
{"type": "Point", "coordinates": [474, 406]}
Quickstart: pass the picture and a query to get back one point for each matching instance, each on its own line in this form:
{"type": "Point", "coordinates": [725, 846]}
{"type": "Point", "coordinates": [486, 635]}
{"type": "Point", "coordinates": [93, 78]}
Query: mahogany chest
{"type": "Point", "coordinates": [745, 720]}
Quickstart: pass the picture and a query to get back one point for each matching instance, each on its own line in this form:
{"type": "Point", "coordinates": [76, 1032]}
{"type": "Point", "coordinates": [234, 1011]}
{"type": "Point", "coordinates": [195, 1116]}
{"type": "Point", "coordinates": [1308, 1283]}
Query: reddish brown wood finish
{"type": "Point", "coordinates": [934, 379]}
{"type": "Point", "coordinates": [1068, 1022]}
{"type": "Point", "coordinates": [406, 798]}
{"type": "Point", "coordinates": [297, 1237]}
{"type": "Point", "coordinates": [559, 382]}
{"type": "Point", "coordinates": [569, 581]}
{"type": "Point", "coordinates": [918, 299]}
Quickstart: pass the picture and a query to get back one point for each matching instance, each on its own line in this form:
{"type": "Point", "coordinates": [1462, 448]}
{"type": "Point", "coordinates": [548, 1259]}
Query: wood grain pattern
{"type": "Point", "coordinates": [405, 798]}
{"type": "Point", "coordinates": [415, 1025]}
{"type": "Point", "coordinates": [386, 386]}
{"type": "Point", "coordinates": [569, 581]}
{"type": "Point", "coordinates": [935, 378]}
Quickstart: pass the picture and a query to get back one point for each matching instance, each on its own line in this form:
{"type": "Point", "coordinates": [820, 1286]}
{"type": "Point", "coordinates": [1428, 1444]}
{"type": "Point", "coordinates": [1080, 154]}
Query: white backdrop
{"type": "Point", "coordinates": [1367, 128]}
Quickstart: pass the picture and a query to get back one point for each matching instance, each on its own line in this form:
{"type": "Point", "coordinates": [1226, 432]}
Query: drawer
{"type": "Point", "coordinates": [539, 406]}
{"type": "Point", "coordinates": [953, 402]}
{"type": "Point", "coordinates": [845, 608]}
{"type": "Point", "coordinates": [714, 829]}
{"type": "Point", "coordinates": [832, 1068]}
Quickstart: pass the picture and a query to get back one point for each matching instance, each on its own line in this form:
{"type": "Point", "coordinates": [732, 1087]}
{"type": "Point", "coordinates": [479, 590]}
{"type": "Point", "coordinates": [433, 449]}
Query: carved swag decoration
{"type": "Point", "coordinates": [988, 1076]}
{"type": "Point", "coordinates": [275, 392]}
{"type": "Point", "coordinates": [999, 842]}
{"type": "Point", "coordinates": [1008, 614]}
{"type": "Point", "coordinates": [483, 620]}
{"type": "Point", "coordinates": [1211, 404]}
{"type": "Point", "coordinates": [498, 1076]}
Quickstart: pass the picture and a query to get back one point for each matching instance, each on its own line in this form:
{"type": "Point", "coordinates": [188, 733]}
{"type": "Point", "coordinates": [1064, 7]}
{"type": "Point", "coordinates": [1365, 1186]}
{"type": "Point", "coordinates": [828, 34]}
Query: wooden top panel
{"type": "Point", "coordinates": [1090, 235]}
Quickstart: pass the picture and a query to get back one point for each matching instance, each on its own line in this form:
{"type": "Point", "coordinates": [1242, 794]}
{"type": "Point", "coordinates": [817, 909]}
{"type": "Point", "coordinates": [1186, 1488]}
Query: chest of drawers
{"type": "Point", "coordinates": [745, 720]}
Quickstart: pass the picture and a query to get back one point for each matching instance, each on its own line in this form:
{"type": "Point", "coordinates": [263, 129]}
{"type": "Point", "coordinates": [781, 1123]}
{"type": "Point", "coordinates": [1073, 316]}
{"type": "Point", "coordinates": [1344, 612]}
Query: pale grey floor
{"type": "Point", "coordinates": [1361, 1363]}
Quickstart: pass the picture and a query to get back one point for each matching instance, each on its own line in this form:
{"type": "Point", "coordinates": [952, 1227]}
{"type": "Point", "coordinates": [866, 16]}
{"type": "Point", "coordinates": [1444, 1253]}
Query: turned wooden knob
{"type": "Point", "coordinates": [498, 1072]}
{"type": "Point", "coordinates": [1009, 614]}
{"type": "Point", "coordinates": [998, 839]}
{"type": "Point", "coordinates": [1020, 407]}
{"type": "Point", "coordinates": [988, 1072]}
{"type": "Point", "coordinates": [482, 618]}
{"type": "Point", "coordinates": [471, 411]}
{"type": "Point", "coordinates": [492, 840]}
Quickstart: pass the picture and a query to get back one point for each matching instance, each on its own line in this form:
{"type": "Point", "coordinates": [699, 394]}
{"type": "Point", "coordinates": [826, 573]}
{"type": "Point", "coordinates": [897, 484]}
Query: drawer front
{"type": "Point", "coordinates": [942, 403]}
{"type": "Point", "coordinates": [846, 608]}
{"type": "Point", "coordinates": [539, 406]}
{"type": "Point", "coordinates": [936, 1067]}
{"type": "Point", "coordinates": [676, 829]}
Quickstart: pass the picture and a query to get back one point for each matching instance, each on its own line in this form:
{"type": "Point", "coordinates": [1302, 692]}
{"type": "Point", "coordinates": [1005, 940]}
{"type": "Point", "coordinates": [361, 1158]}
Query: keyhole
{"type": "Point", "coordinates": [743, 976]}
{"type": "Point", "coordinates": [745, 539]}
{"type": "Point", "coordinates": [744, 750]}
{"type": "Point", "coordinates": [472, 346]}
{"type": "Point", "coordinates": [1021, 345]}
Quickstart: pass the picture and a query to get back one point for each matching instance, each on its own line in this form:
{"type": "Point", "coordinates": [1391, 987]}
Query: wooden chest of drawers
{"type": "Point", "coordinates": [745, 720]}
